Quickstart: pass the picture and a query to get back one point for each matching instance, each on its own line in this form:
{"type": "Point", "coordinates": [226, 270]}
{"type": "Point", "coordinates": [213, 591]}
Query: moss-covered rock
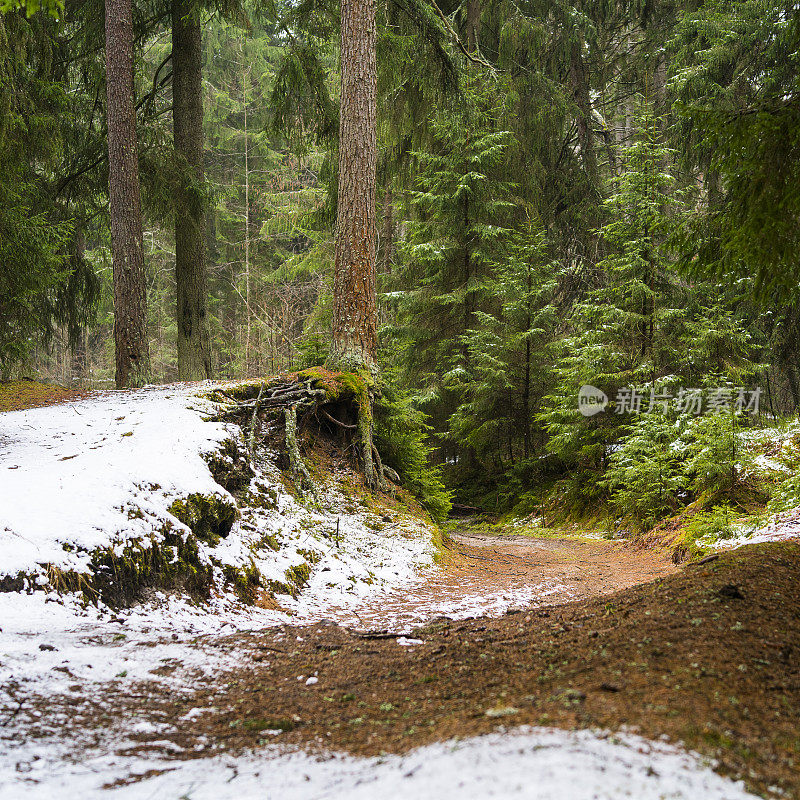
{"type": "Point", "coordinates": [245, 581]}
{"type": "Point", "coordinates": [210, 517]}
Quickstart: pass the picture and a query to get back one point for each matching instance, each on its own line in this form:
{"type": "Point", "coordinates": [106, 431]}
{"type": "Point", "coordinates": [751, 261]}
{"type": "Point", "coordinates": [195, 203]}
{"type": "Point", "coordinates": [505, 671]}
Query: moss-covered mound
{"type": "Point", "coordinates": [18, 395]}
{"type": "Point", "coordinates": [210, 517]}
{"type": "Point", "coordinates": [171, 563]}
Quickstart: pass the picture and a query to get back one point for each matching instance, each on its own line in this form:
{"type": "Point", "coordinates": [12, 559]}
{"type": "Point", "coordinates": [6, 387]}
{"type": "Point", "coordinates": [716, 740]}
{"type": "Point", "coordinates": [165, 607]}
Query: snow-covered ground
{"type": "Point", "coordinates": [76, 476]}
{"type": "Point", "coordinates": [103, 472]}
{"type": "Point", "coordinates": [778, 528]}
{"type": "Point", "coordinates": [535, 763]}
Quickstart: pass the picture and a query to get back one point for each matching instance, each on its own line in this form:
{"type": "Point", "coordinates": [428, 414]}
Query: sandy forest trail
{"type": "Point", "coordinates": [483, 573]}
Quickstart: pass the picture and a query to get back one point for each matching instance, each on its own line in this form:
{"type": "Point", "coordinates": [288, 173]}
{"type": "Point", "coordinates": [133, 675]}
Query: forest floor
{"type": "Point", "coordinates": [486, 572]}
{"type": "Point", "coordinates": [707, 656]}
{"type": "Point", "coordinates": [517, 666]}
{"type": "Point", "coordinates": [28, 393]}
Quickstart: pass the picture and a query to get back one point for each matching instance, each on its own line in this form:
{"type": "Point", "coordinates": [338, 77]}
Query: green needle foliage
{"type": "Point", "coordinates": [568, 193]}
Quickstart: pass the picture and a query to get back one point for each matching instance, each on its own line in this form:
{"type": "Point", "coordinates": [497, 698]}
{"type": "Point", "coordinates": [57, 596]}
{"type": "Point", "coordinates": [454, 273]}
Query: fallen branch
{"type": "Point", "coordinates": [377, 635]}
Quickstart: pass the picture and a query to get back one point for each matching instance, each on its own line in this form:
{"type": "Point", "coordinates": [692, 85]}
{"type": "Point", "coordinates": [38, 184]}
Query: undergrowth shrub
{"type": "Point", "coordinates": [401, 435]}
{"type": "Point", "coordinates": [715, 458]}
{"type": "Point", "coordinates": [707, 526]}
{"type": "Point", "coordinates": [645, 475]}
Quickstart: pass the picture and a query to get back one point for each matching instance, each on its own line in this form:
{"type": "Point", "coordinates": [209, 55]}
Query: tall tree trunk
{"type": "Point", "coordinates": [354, 343]}
{"type": "Point", "coordinates": [248, 331]}
{"type": "Point", "coordinates": [127, 249]}
{"type": "Point", "coordinates": [579, 79]}
{"type": "Point", "coordinates": [194, 341]}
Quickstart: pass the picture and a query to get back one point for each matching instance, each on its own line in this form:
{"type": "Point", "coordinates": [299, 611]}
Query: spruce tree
{"type": "Point", "coordinates": [194, 344]}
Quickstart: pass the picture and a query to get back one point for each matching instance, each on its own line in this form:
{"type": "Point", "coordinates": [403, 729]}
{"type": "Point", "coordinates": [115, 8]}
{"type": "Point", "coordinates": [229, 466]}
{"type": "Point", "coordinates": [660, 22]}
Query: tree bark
{"type": "Point", "coordinates": [127, 249]}
{"type": "Point", "coordinates": [473, 25]}
{"type": "Point", "coordinates": [194, 340]}
{"type": "Point", "coordinates": [580, 91]}
{"type": "Point", "coordinates": [354, 342]}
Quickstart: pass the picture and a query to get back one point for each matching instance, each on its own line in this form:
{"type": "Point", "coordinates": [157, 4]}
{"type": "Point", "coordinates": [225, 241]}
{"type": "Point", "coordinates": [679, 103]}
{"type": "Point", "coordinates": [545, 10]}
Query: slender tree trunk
{"type": "Point", "coordinates": [127, 248]}
{"type": "Point", "coordinates": [580, 89]}
{"type": "Point", "coordinates": [248, 333]}
{"type": "Point", "coordinates": [469, 295]}
{"type": "Point", "coordinates": [526, 392]}
{"type": "Point", "coordinates": [473, 25]}
{"type": "Point", "coordinates": [354, 343]}
{"type": "Point", "coordinates": [194, 345]}
{"type": "Point", "coordinates": [79, 364]}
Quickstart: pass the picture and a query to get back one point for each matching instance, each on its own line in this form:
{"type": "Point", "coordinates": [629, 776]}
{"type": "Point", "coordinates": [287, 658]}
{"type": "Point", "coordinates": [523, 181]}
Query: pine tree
{"type": "Point", "coordinates": [130, 296]}
{"type": "Point", "coordinates": [354, 342]}
{"type": "Point", "coordinates": [621, 337]}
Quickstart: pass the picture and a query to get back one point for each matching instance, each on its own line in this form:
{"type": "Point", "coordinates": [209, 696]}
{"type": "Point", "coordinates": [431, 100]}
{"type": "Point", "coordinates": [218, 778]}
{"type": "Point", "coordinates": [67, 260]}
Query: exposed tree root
{"type": "Point", "coordinates": [337, 404]}
{"type": "Point", "coordinates": [298, 467]}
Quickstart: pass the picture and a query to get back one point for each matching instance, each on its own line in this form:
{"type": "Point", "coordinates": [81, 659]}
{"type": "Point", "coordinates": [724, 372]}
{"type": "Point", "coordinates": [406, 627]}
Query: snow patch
{"type": "Point", "coordinates": [532, 763]}
{"type": "Point", "coordinates": [103, 472]}
{"type": "Point", "coordinates": [780, 528]}
{"type": "Point", "coordinates": [79, 476]}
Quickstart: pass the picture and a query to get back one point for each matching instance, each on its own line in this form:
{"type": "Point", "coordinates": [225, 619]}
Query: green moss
{"type": "Point", "coordinates": [230, 468]}
{"type": "Point", "coordinates": [120, 578]}
{"type": "Point", "coordinates": [339, 385]}
{"type": "Point", "coordinates": [271, 541]}
{"type": "Point", "coordinates": [278, 587]}
{"type": "Point", "coordinates": [209, 517]}
{"type": "Point", "coordinates": [16, 395]}
{"type": "Point", "coordinates": [242, 390]}
{"type": "Point", "coordinates": [299, 574]}
{"type": "Point", "coordinates": [245, 581]}
{"type": "Point", "coordinates": [296, 579]}
{"type": "Point", "coordinates": [311, 556]}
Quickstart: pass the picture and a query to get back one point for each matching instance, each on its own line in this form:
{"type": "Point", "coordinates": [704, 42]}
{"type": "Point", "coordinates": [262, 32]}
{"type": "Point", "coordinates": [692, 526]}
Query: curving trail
{"type": "Point", "coordinates": [486, 574]}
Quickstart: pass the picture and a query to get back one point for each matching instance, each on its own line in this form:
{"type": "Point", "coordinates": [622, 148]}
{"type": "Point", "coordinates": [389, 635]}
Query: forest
{"type": "Point", "coordinates": [566, 194]}
{"type": "Point", "coordinates": [399, 398]}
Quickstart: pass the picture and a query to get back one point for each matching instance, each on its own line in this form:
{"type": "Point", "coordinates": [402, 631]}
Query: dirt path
{"type": "Point", "coordinates": [706, 655]}
{"type": "Point", "coordinates": [485, 574]}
